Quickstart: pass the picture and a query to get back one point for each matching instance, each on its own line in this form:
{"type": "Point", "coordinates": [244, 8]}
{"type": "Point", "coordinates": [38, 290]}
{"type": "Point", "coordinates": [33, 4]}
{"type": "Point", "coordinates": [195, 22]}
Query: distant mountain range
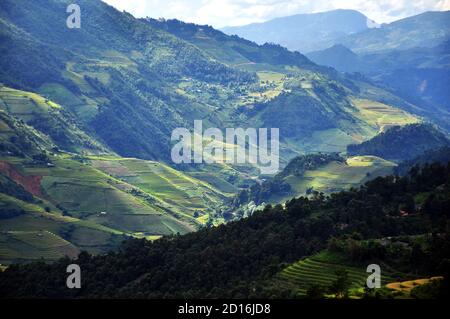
{"type": "Point", "coordinates": [318, 31]}
{"type": "Point", "coordinates": [410, 57]}
{"type": "Point", "coordinates": [427, 30]}
{"type": "Point", "coordinates": [306, 32]}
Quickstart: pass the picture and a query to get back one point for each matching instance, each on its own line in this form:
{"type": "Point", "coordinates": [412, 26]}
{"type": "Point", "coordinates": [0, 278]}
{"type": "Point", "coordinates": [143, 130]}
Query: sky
{"type": "Point", "coordinates": [220, 13]}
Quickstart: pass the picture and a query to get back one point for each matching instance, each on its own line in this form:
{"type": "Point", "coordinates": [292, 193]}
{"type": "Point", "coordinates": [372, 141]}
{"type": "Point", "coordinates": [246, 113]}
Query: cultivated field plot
{"type": "Point", "coordinates": [20, 246]}
{"type": "Point", "coordinates": [185, 195]}
{"type": "Point", "coordinates": [321, 270]}
{"type": "Point", "coordinates": [337, 176]}
{"type": "Point", "coordinates": [381, 116]}
{"type": "Point", "coordinates": [33, 219]}
{"type": "Point", "coordinates": [46, 116]}
{"type": "Point", "coordinates": [24, 104]}
{"type": "Point", "coordinates": [404, 288]}
{"type": "Point", "coordinates": [93, 196]}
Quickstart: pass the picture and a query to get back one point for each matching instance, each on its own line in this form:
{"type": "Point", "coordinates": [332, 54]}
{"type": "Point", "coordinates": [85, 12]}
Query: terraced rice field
{"type": "Point", "coordinates": [173, 190]}
{"type": "Point", "coordinates": [336, 176]}
{"type": "Point", "coordinates": [407, 286]}
{"type": "Point", "coordinates": [320, 270]}
{"type": "Point", "coordinates": [381, 116]}
{"type": "Point", "coordinates": [33, 245]}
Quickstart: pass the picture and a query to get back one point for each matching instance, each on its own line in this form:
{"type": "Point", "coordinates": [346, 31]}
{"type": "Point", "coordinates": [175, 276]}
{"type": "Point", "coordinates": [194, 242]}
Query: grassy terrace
{"type": "Point", "coordinates": [320, 270]}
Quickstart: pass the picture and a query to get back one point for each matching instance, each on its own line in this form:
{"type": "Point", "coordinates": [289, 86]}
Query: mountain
{"type": "Point", "coordinates": [147, 77]}
{"type": "Point", "coordinates": [86, 128]}
{"type": "Point", "coordinates": [402, 143]}
{"type": "Point", "coordinates": [338, 57]}
{"type": "Point", "coordinates": [86, 118]}
{"type": "Point", "coordinates": [427, 30]}
{"type": "Point", "coordinates": [249, 258]}
{"type": "Point", "coordinates": [311, 174]}
{"type": "Point", "coordinates": [110, 79]}
{"type": "Point", "coordinates": [440, 155]}
{"type": "Point", "coordinates": [408, 57]}
{"type": "Point", "coordinates": [419, 75]}
{"type": "Point", "coordinates": [305, 32]}
{"type": "Point", "coordinates": [345, 60]}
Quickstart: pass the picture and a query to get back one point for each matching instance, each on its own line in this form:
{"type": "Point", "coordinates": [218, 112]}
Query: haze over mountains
{"type": "Point", "coordinates": [306, 32]}
{"type": "Point", "coordinates": [410, 57]}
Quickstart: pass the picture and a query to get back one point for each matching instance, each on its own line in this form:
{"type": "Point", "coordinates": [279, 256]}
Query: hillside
{"type": "Point", "coordinates": [427, 30]}
{"type": "Point", "coordinates": [402, 143]}
{"type": "Point", "coordinates": [100, 74]}
{"type": "Point", "coordinates": [305, 32]}
{"type": "Point", "coordinates": [86, 127]}
{"type": "Point", "coordinates": [234, 50]}
{"type": "Point", "coordinates": [147, 77]}
{"type": "Point", "coordinates": [313, 174]}
{"type": "Point", "coordinates": [55, 199]}
{"type": "Point", "coordinates": [440, 155]}
{"type": "Point", "coordinates": [106, 196]}
{"type": "Point", "coordinates": [417, 74]}
{"type": "Point", "coordinates": [338, 57]}
{"type": "Point", "coordinates": [319, 271]}
{"type": "Point", "coordinates": [242, 256]}
{"type": "Point", "coordinates": [48, 118]}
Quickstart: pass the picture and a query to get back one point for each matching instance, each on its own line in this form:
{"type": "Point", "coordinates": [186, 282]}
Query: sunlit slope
{"type": "Point", "coordinates": [91, 195]}
{"type": "Point", "coordinates": [92, 206]}
{"type": "Point", "coordinates": [320, 269]}
{"type": "Point", "coordinates": [188, 198]}
{"type": "Point", "coordinates": [380, 116]}
{"type": "Point", "coordinates": [37, 229]}
{"type": "Point", "coordinates": [19, 246]}
{"type": "Point", "coordinates": [49, 118]}
{"type": "Point", "coordinates": [316, 113]}
{"type": "Point", "coordinates": [336, 176]}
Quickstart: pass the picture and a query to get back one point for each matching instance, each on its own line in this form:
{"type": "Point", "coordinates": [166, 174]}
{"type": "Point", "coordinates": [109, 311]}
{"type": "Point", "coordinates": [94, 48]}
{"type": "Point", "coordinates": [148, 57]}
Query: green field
{"type": "Point", "coordinates": [183, 195]}
{"type": "Point", "coordinates": [337, 176]}
{"type": "Point", "coordinates": [93, 210]}
{"type": "Point", "coordinates": [49, 118]}
{"type": "Point", "coordinates": [320, 270]}
{"type": "Point", "coordinates": [20, 246]}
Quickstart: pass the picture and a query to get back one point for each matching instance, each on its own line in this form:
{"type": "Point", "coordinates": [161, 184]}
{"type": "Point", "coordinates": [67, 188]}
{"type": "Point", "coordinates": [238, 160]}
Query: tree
{"type": "Point", "coordinates": [341, 285]}
{"type": "Point", "coordinates": [315, 292]}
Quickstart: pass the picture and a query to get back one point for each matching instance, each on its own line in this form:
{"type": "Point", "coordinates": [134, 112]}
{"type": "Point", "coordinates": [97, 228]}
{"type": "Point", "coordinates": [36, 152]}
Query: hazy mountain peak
{"type": "Point", "coordinates": [306, 32]}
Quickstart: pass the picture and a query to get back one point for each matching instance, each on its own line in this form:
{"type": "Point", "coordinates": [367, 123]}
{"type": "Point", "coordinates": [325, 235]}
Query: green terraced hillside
{"type": "Point", "coordinates": [320, 270]}
{"type": "Point", "coordinates": [188, 198]}
{"type": "Point", "coordinates": [19, 246]}
{"type": "Point", "coordinates": [49, 118]}
{"type": "Point", "coordinates": [327, 178]}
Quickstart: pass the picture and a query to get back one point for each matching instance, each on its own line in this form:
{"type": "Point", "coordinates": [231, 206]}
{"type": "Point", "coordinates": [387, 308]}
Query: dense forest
{"type": "Point", "coordinates": [239, 258]}
{"type": "Point", "coordinates": [402, 142]}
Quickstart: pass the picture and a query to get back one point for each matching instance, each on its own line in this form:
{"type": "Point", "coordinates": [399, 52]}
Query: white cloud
{"type": "Point", "coordinates": [221, 13]}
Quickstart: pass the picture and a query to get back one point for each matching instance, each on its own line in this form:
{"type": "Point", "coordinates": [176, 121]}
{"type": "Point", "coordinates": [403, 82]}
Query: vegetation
{"type": "Point", "coordinates": [440, 155]}
{"type": "Point", "coordinates": [402, 143]}
{"type": "Point", "coordinates": [312, 174]}
{"type": "Point", "coordinates": [242, 256]}
{"type": "Point", "coordinates": [85, 163]}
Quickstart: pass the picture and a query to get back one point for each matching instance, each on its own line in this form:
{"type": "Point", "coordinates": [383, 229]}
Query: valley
{"type": "Point", "coordinates": [88, 175]}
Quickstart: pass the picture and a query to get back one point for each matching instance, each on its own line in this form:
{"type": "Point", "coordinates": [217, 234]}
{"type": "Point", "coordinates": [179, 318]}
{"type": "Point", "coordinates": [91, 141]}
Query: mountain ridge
{"type": "Point", "coordinates": [283, 30]}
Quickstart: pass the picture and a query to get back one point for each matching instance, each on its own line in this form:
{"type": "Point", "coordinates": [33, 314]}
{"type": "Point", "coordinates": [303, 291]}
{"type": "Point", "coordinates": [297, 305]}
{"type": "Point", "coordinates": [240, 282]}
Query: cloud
{"type": "Point", "coordinates": [219, 13]}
